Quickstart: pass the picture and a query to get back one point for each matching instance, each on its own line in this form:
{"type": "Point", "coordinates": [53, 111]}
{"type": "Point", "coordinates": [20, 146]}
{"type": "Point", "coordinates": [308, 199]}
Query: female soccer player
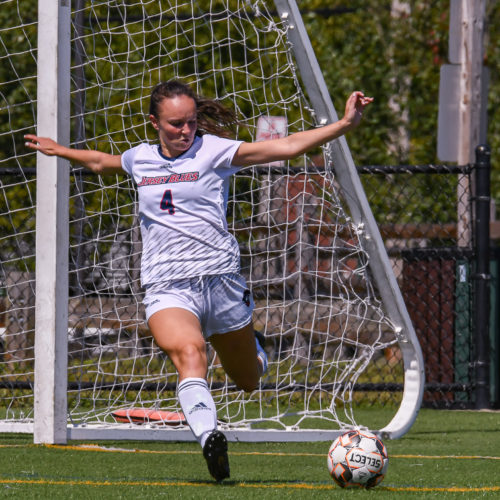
{"type": "Point", "coordinates": [190, 262]}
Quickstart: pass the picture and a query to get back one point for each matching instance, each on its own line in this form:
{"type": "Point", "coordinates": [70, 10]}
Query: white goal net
{"type": "Point", "coordinates": [335, 349]}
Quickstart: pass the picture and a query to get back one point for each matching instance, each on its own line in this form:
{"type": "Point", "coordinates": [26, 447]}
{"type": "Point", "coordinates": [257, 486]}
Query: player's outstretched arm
{"type": "Point", "coordinates": [286, 148]}
{"type": "Point", "coordinates": [98, 162]}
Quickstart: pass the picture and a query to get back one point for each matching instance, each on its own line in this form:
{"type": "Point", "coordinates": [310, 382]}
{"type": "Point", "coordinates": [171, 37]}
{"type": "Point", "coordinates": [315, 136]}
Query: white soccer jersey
{"type": "Point", "coordinates": [182, 209]}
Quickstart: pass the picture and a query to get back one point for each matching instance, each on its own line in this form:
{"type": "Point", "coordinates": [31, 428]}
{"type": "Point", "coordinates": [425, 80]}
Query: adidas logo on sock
{"type": "Point", "coordinates": [199, 406]}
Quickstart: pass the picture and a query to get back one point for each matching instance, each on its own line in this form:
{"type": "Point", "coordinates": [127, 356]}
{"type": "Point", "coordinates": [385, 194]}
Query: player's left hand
{"type": "Point", "coordinates": [355, 106]}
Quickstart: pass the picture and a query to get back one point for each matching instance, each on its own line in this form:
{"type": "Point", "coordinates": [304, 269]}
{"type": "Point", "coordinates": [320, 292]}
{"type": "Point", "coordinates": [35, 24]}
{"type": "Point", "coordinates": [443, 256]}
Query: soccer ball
{"type": "Point", "coordinates": [357, 458]}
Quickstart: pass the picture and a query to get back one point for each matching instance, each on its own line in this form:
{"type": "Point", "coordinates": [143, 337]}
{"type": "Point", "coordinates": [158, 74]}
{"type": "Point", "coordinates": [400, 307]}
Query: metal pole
{"type": "Point", "coordinates": [51, 320]}
{"type": "Point", "coordinates": [470, 58]}
{"type": "Point", "coordinates": [482, 278]}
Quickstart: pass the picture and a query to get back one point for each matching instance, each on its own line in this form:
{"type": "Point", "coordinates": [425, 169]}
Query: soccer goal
{"type": "Point", "coordinates": [78, 360]}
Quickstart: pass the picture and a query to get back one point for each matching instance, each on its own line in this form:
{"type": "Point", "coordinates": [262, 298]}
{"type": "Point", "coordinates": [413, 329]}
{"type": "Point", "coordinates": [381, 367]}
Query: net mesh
{"type": "Point", "coordinates": [331, 347]}
{"type": "Point", "coordinates": [17, 209]}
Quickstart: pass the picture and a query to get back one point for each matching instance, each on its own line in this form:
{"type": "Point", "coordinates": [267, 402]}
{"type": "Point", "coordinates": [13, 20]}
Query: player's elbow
{"type": "Point", "coordinates": [103, 163]}
{"type": "Point", "coordinates": [95, 168]}
{"type": "Point", "coordinates": [292, 148]}
{"type": "Point", "coordinates": [293, 153]}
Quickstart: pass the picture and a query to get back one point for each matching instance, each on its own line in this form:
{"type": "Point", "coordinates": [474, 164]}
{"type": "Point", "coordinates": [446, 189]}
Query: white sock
{"type": "Point", "coordinates": [198, 407]}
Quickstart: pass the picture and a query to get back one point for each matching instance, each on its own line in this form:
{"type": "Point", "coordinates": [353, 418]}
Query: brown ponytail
{"type": "Point", "coordinates": [212, 116]}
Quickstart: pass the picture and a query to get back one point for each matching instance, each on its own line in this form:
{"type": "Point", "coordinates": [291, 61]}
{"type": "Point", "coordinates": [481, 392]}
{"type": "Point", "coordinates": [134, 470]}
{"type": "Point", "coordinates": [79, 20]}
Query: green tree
{"type": "Point", "coordinates": [396, 57]}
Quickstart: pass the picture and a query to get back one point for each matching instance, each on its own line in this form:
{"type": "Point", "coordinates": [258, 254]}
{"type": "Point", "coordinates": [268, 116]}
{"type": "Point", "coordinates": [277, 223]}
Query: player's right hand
{"type": "Point", "coordinates": [43, 144]}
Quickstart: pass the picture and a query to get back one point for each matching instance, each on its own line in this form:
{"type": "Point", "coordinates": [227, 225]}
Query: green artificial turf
{"type": "Point", "coordinates": [450, 454]}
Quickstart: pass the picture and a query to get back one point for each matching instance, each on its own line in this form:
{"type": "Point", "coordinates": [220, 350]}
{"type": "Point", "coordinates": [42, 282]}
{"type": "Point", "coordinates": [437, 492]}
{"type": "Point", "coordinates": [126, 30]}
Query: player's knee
{"type": "Point", "coordinates": [193, 352]}
{"type": "Point", "coordinates": [248, 384]}
{"type": "Point", "coordinates": [248, 387]}
{"type": "Point", "coordinates": [187, 356]}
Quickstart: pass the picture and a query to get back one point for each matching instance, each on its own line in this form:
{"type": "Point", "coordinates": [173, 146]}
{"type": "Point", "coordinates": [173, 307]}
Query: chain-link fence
{"type": "Point", "coordinates": [427, 220]}
{"type": "Point", "coordinates": [418, 210]}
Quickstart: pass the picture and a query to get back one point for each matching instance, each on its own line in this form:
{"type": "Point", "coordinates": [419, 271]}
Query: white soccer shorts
{"type": "Point", "coordinates": [222, 303]}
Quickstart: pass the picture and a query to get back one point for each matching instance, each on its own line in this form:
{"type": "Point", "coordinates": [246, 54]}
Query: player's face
{"type": "Point", "coordinates": [176, 124]}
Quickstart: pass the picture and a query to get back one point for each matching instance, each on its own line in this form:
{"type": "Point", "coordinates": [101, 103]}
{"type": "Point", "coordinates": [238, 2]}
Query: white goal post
{"type": "Point", "coordinates": [380, 266]}
{"type": "Point", "coordinates": [339, 337]}
{"type": "Point", "coordinates": [52, 234]}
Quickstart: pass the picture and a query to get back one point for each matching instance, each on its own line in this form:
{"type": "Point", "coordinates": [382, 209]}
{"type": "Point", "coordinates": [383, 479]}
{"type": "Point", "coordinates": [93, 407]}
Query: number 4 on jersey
{"type": "Point", "coordinates": [167, 203]}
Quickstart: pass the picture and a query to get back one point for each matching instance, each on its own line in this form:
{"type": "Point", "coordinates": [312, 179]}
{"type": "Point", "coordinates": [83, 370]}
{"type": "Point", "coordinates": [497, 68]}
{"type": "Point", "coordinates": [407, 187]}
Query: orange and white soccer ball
{"type": "Point", "coordinates": [357, 458]}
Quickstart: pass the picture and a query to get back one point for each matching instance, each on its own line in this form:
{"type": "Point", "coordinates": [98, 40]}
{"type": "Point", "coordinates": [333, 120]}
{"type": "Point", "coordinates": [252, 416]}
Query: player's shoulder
{"type": "Point", "coordinates": [144, 148]}
{"type": "Point", "coordinates": [212, 140]}
{"type": "Point", "coordinates": [220, 149]}
{"type": "Point", "coordinates": [143, 153]}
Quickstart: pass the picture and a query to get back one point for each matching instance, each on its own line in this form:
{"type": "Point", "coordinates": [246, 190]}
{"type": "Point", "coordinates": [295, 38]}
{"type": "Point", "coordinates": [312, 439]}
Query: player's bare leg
{"type": "Point", "coordinates": [240, 356]}
{"type": "Point", "coordinates": [178, 332]}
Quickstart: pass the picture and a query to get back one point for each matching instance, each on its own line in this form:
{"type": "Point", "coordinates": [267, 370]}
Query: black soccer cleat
{"type": "Point", "coordinates": [215, 453]}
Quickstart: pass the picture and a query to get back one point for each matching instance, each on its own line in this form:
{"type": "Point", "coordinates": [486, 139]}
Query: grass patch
{"type": "Point", "coordinates": [447, 453]}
